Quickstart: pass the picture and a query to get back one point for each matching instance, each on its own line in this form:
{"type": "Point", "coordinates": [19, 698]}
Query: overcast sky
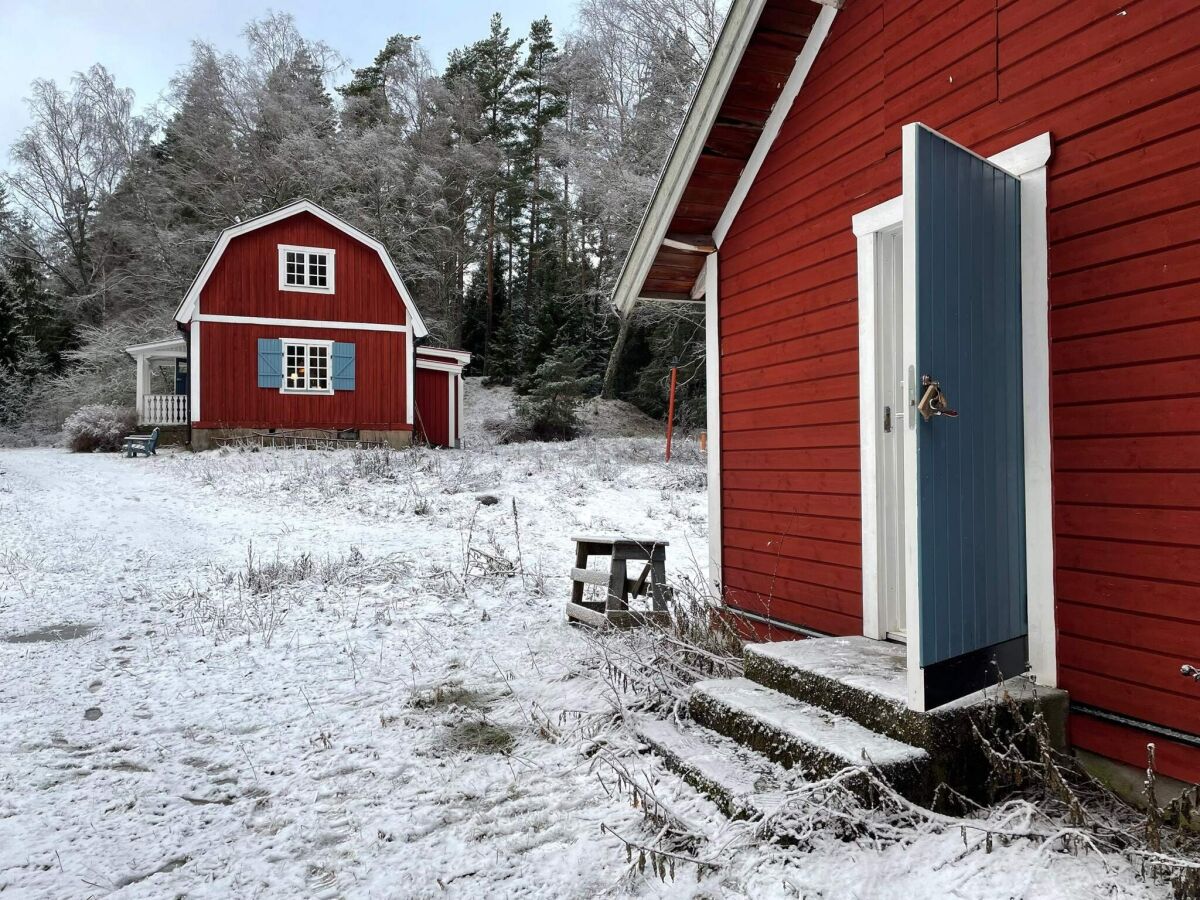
{"type": "Point", "coordinates": [143, 42]}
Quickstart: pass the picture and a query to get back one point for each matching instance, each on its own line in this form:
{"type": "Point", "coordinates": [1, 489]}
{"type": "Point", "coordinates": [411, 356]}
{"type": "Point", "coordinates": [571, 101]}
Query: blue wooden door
{"type": "Point", "coordinates": [966, 223]}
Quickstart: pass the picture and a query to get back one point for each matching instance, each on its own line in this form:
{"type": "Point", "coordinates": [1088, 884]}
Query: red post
{"type": "Point", "coordinates": [671, 412]}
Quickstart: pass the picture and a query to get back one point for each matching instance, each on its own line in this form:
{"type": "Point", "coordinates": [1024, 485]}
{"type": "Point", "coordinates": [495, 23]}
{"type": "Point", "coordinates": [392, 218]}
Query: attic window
{"type": "Point", "coordinates": [308, 269]}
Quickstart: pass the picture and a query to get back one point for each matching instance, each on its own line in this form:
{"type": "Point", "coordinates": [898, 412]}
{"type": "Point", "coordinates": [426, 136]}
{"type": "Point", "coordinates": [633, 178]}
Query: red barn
{"type": "Point", "coordinates": [948, 256]}
{"type": "Point", "coordinates": [297, 322]}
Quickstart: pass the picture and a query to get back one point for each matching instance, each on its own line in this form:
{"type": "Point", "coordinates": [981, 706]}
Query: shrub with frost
{"type": "Point", "coordinates": [98, 428]}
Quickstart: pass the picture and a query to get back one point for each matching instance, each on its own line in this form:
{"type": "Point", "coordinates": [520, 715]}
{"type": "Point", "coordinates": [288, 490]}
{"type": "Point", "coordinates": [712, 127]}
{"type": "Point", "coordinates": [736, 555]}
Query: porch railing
{"type": "Point", "coordinates": [165, 409]}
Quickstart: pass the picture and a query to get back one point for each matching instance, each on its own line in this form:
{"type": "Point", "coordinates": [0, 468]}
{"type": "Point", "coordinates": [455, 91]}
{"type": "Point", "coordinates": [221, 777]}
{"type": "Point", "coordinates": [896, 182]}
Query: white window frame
{"type": "Point", "coordinates": [307, 345]}
{"type": "Point", "coordinates": [330, 269]}
{"type": "Point", "coordinates": [1028, 162]}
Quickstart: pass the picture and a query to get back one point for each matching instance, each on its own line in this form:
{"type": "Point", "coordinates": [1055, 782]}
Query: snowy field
{"type": "Point", "coordinates": [311, 674]}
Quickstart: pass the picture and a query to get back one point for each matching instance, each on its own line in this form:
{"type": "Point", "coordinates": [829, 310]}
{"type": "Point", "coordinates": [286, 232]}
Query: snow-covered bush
{"type": "Point", "coordinates": [99, 428]}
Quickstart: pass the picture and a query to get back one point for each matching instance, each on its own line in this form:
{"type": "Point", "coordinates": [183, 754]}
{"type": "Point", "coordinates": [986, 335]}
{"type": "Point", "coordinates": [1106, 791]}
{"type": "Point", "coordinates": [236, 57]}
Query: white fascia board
{"type": "Point", "coordinates": [701, 115]}
{"type": "Point", "coordinates": [439, 367]}
{"type": "Point", "coordinates": [191, 299]}
{"type": "Point", "coordinates": [170, 345]}
{"type": "Point", "coordinates": [463, 356]}
{"type": "Point", "coordinates": [775, 121]}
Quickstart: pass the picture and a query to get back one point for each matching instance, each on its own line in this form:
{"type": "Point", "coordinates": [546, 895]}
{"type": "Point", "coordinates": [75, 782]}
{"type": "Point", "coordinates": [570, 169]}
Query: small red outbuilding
{"type": "Point", "coordinates": [948, 256]}
{"type": "Point", "coordinates": [299, 322]}
{"type": "Point", "coordinates": [440, 395]}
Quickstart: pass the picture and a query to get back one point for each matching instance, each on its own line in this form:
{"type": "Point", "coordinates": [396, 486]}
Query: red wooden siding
{"type": "Point", "coordinates": [1118, 87]}
{"type": "Point", "coordinates": [245, 281]}
{"type": "Point", "coordinates": [433, 405]}
{"type": "Point", "coordinates": [231, 398]}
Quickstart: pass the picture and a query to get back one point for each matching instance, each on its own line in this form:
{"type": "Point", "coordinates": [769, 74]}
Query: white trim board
{"type": "Point", "coordinates": [439, 366]}
{"type": "Point", "coordinates": [779, 113]}
{"type": "Point", "coordinates": [303, 323]}
{"type": "Point", "coordinates": [712, 375]}
{"type": "Point", "coordinates": [1028, 162]}
{"type": "Point", "coordinates": [463, 356]}
{"type": "Point", "coordinates": [189, 306]}
{"type": "Point", "coordinates": [460, 390]}
{"type": "Point", "coordinates": [170, 345]}
{"type": "Point", "coordinates": [194, 372]}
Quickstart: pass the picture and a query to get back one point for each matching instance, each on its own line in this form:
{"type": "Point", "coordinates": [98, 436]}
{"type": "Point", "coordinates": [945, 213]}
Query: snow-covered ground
{"type": "Point", "coordinates": [312, 674]}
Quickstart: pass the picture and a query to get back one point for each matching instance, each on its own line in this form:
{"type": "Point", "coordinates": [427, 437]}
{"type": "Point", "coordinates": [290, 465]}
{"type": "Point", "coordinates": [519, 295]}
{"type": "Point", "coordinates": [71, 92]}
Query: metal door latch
{"type": "Point", "coordinates": [887, 420]}
{"type": "Point", "coordinates": [933, 401]}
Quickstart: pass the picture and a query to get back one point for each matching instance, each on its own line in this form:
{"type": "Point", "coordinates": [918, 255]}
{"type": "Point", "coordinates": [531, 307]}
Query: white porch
{"type": "Point", "coordinates": [162, 382]}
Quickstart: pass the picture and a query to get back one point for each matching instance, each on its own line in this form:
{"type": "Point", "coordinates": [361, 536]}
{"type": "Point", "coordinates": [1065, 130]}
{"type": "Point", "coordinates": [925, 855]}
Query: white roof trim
{"type": "Point", "coordinates": [187, 307]}
{"type": "Point", "coordinates": [452, 368]}
{"type": "Point", "coordinates": [779, 112]}
{"type": "Point", "coordinates": [722, 69]}
{"type": "Point", "coordinates": [170, 344]}
{"type": "Point", "coordinates": [702, 113]}
{"type": "Point", "coordinates": [463, 356]}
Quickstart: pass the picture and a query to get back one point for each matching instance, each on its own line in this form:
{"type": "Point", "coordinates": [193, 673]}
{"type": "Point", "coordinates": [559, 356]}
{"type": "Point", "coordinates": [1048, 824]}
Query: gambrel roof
{"type": "Point", "coordinates": [187, 306]}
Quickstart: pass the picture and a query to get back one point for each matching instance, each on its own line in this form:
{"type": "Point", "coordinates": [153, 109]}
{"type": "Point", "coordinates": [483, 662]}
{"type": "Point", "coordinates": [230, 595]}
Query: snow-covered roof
{"type": "Point", "coordinates": [169, 345]}
{"type": "Point", "coordinates": [187, 306]}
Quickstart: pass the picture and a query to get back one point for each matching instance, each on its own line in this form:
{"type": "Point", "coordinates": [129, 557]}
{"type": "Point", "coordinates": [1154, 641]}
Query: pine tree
{"type": "Point", "coordinates": [541, 103]}
{"type": "Point", "coordinates": [549, 409]}
{"type": "Point", "coordinates": [489, 67]}
{"type": "Point", "coordinates": [383, 92]}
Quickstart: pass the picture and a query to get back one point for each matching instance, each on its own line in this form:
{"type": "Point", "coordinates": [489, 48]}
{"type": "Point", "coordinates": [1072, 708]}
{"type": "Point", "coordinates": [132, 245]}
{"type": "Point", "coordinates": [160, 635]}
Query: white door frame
{"type": "Point", "coordinates": [1026, 161]}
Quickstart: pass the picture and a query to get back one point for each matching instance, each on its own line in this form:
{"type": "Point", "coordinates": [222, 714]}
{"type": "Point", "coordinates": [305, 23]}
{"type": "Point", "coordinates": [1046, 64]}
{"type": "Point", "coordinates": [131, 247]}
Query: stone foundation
{"type": "Point", "coordinates": [207, 438]}
{"type": "Point", "coordinates": [397, 440]}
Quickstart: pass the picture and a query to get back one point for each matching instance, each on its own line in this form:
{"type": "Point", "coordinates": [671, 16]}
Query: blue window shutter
{"type": "Point", "coordinates": [270, 363]}
{"type": "Point", "coordinates": [343, 367]}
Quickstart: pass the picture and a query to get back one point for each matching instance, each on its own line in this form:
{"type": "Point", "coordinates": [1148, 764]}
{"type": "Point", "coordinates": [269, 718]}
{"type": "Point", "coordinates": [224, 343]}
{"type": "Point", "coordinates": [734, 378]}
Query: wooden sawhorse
{"type": "Point", "coordinates": [614, 609]}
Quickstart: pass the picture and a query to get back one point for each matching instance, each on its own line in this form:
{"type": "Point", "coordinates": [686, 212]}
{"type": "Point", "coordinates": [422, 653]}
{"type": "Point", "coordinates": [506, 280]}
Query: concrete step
{"type": "Point", "coordinates": [794, 733]}
{"type": "Point", "coordinates": [866, 681]}
{"type": "Point", "coordinates": [855, 677]}
{"type": "Point", "coordinates": [744, 784]}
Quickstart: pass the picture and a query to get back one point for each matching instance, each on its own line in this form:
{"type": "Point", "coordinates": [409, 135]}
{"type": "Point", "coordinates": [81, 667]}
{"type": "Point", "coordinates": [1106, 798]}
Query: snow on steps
{"type": "Point", "coordinates": [858, 678]}
{"type": "Point", "coordinates": [744, 784]}
{"type": "Point", "coordinates": [865, 680]}
{"type": "Point", "coordinates": [794, 733]}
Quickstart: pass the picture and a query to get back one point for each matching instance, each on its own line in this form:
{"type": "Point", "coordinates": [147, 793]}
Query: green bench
{"type": "Point", "coordinates": [143, 444]}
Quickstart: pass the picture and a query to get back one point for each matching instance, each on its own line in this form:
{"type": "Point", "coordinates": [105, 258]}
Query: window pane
{"type": "Point", "coordinates": [317, 269]}
{"type": "Point", "coordinates": [294, 367]}
{"type": "Point", "coordinates": [318, 362]}
{"type": "Point", "coordinates": [295, 267]}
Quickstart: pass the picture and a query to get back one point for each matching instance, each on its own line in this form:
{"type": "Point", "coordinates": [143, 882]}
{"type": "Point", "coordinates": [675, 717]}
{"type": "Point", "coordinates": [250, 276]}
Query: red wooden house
{"type": "Point", "coordinates": [297, 323]}
{"type": "Point", "coordinates": [895, 211]}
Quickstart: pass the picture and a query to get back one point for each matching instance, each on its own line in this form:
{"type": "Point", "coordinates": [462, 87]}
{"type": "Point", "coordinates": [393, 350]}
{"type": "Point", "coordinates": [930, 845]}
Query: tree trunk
{"type": "Point", "coordinates": [609, 391]}
{"type": "Point", "coordinates": [491, 283]}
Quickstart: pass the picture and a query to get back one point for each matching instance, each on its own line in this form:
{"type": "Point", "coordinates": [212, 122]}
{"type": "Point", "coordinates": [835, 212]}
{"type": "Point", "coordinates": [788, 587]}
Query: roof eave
{"type": "Point", "coordinates": [697, 123]}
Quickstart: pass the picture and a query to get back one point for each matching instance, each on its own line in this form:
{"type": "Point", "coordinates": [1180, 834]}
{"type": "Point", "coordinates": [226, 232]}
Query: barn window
{"type": "Point", "coordinates": [308, 269]}
{"type": "Point", "coordinates": [306, 367]}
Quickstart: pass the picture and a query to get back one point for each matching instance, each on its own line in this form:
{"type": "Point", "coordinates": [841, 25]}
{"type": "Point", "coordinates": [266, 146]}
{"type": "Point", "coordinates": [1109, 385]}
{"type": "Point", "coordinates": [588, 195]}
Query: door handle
{"type": "Point", "coordinates": [933, 401]}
